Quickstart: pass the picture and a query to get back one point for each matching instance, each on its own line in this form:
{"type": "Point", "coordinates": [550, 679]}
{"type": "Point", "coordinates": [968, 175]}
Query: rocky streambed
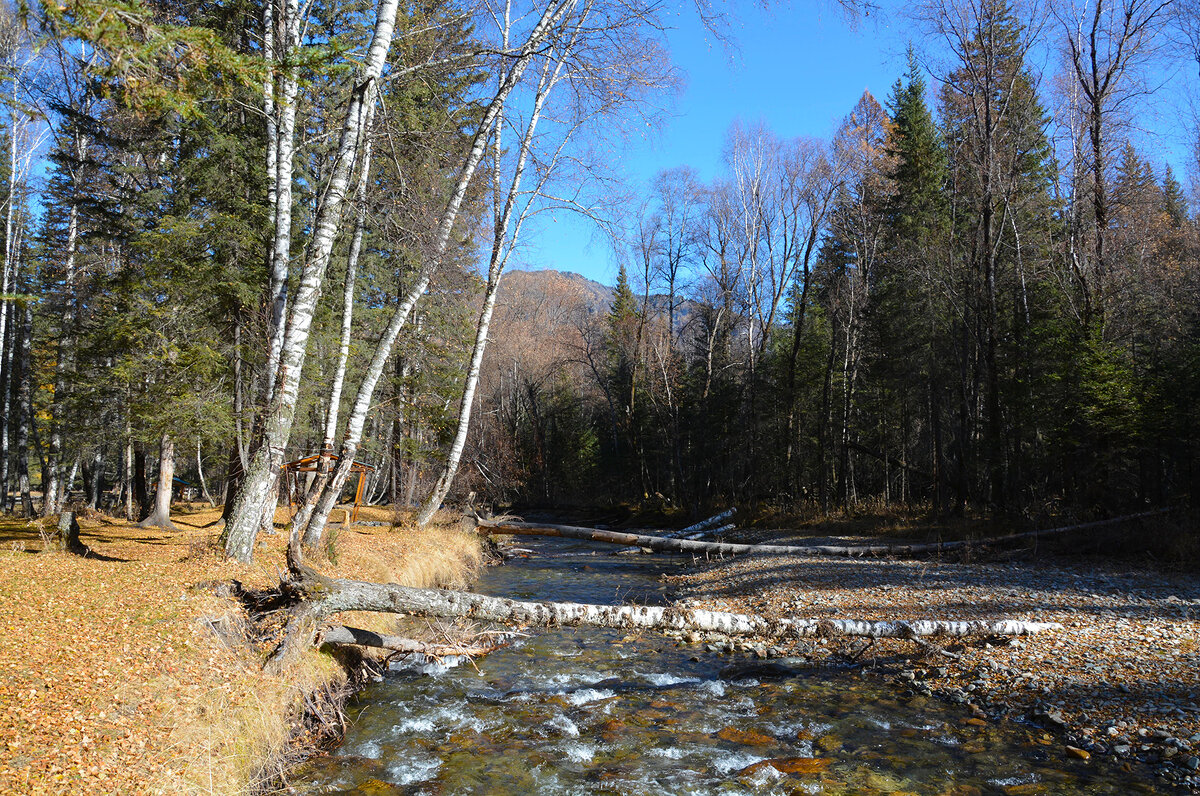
{"type": "Point", "coordinates": [1121, 682]}
{"type": "Point", "coordinates": [595, 711]}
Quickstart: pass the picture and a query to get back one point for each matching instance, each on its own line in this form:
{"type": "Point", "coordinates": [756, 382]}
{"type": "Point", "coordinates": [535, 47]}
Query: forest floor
{"type": "Point", "coordinates": [1122, 678]}
{"type": "Point", "coordinates": [112, 679]}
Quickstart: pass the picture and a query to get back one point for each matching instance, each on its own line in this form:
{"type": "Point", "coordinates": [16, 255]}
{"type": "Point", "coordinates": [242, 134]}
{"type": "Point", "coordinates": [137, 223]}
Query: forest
{"type": "Point", "coordinates": [240, 234]}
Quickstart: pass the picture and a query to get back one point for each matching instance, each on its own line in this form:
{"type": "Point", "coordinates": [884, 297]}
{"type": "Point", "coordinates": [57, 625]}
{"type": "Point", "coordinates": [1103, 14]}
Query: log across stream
{"type": "Point", "coordinates": [594, 710]}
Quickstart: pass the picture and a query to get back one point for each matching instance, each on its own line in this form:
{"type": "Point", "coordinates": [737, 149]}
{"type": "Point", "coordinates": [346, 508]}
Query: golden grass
{"type": "Point", "coordinates": [122, 687]}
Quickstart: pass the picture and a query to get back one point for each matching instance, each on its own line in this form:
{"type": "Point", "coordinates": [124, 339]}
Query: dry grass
{"type": "Point", "coordinates": [117, 682]}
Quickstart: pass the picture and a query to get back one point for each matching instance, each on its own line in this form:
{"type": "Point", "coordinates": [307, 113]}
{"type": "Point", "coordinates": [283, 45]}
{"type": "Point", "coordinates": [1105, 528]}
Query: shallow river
{"type": "Point", "coordinates": [586, 711]}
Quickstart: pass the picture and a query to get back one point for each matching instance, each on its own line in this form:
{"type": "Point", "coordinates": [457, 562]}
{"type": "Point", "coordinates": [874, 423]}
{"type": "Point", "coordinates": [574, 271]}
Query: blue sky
{"type": "Point", "coordinates": [800, 69]}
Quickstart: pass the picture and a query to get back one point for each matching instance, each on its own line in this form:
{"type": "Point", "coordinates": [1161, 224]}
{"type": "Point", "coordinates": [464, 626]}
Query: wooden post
{"type": "Point", "coordinates": [358, 493]}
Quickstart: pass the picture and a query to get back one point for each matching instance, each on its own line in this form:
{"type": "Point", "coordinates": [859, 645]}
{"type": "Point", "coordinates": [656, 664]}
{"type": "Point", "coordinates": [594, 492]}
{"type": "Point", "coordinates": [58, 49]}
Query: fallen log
{"type": "Point", "coordinates": [340, 634]}
{"type": "Point", "coordinates": [663, 544]}
{"type": "Point", "coordinates": [710, 532]}
{"type": "Point", "coordinates": [703, 524]}
{"type": "Point", "coordinates": [321, 597]}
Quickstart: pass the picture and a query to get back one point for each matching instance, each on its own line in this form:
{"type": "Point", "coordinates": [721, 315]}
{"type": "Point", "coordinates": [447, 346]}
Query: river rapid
{"type": "Point", "coordinates": [590, 711]}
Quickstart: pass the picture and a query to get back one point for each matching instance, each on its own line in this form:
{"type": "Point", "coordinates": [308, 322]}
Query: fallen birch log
{"type": "Point", "coordinates": [322, 597]}
{"type": "Point", "coordinates": [340, 634]}
{"type": "Point", "coordinates": [702, 525]}
{"type": "Point", "coordinates": [710, 532]}
{"type": "Point", "coordinates": [663, 544]}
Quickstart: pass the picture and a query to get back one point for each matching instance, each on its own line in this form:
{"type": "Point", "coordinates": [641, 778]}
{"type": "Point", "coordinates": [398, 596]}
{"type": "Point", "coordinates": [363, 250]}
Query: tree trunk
{"type": "Point", "coordinates": [127, 477]}
{"type": "Point", "coordinates": [502, 246]}
{"type": "Point", "coordinates": [140, 492]}
{"type": "Point", "coordinates": [322, 597]}
{"type": "Point", "coordinates": [24, 376]}
{"type": "Point", "coordinates": [325, 463]}
{"type": "Point", "coordinates": [64, 361]}
{"type": "Point", "coordinates": [279, 188]}
{"type": "Point", "coordinates": [160, 517]}
{"type": "Point", "coordinates": [340, 634]}
{"type": "Point", "coordinates": [241, 531]}
{"type": "Point", "coordinates": [554, 12]}
{"type": "Point", "coordinates": [663, 544]}
{"type": "Point", "coordinates": [94, 480]}
{"type": "Point", "coordinates": [702, 525]}
{"type": "Point", "coordinates": [67, 538]}
{"type": "Point", "coordinates": [200, 475]}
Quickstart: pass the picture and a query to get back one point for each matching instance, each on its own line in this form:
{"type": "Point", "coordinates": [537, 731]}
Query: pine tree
{"type": "Point", "coordinates": [1174, 202]}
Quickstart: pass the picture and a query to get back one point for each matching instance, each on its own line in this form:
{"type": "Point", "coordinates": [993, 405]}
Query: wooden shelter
{"type": "Point", "coordinates": [309, 464]}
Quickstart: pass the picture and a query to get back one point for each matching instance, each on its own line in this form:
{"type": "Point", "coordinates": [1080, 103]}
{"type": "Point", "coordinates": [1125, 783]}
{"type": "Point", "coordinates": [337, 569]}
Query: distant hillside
{"type": "Point", "coordinates": [537, 287]}
{"type": "Point", "coordinates": [534, 288]}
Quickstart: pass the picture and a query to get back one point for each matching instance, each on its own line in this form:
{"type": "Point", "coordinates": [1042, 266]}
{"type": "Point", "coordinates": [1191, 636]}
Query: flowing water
{"type": "Point", "coordinates": [587, 711]}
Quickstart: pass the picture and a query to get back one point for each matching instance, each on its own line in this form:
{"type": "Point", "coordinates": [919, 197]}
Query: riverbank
{"type": "Point", "coordinates": [1122, 678]}
{"type": "Point", "coordinates": [113, 680]}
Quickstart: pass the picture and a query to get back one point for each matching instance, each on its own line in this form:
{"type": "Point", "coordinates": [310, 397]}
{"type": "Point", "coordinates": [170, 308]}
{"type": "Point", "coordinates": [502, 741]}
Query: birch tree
{"type": "Point", "coordinates": [605, 77]}
{"type": "Point", "coordinates": [242, 527]}
{"type": "Point", "coordinates": [553, 18]}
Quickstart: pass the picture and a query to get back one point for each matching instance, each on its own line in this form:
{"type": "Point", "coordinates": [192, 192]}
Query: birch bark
{"type": "Point", "coordinates": [338, 595]}
{"type": "Point", "coordinates": [551, 17]}
{"type": "Point", "coordinates": [242, 529]}
{"type": "Point", "coordinates": [502, 247]}
{"type": "Point", "coordinates": [324, 464]}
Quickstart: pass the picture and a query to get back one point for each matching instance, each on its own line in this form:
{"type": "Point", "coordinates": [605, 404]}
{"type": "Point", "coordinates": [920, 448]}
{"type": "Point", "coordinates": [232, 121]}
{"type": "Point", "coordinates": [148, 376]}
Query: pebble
{"type": "Point", "coordinates": [1090, 676]}
{"type": "Point", "coordinates": [1082, 754]}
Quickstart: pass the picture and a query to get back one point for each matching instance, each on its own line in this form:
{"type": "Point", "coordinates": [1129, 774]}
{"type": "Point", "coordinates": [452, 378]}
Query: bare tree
{"type": "Point", "coordinates": [564, 29]}
{"type": "Point", "coordinates": [1109, 44]}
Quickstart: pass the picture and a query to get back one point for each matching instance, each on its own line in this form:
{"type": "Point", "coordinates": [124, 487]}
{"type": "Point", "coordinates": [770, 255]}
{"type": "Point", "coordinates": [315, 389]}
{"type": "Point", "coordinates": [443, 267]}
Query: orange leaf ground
{"type": "Point", "coordinates": [111, 683]}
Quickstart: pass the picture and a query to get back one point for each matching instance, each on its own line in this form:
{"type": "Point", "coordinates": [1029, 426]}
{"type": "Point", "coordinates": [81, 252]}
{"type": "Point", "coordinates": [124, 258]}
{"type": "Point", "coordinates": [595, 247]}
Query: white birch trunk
{"type": "Point", "coordinates": [127, 463]}
{"type": "Point", "coordinates": [664, 544]}
{"type": "Point", "coordinates": [281, 137]}
{"type": "Point", "coordinates": [24, 410]}
{"type": "Point", "coordinates": [702, 525]}
{"type": "Point", "coordinates": [9, 277]}
{"type": "Point", "coordinates": [200, 474]}
{"type": "Point", "coordinates": [324, 464]}
{"type": "Point", "coordinates": [242, 529]}
{"type": "Point", "coordinates": [502, 246]}
{"type": "Point", "coordinates": [160, 516]}
{"type": "Point", "coordinates": [332, 596]}
{"type": "Point", "coordinates": [69, 483]}
{"type": "Point", "coordinates": [552, 15]}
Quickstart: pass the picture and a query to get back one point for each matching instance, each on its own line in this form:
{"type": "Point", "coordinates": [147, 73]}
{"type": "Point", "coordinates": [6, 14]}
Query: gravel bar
{"type": "Point", "coordinates": [1122, 678]}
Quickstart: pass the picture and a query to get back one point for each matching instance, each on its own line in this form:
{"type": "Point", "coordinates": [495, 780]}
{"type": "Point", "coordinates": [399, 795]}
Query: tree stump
{"type": "Point", "coordinates": [67, 539]}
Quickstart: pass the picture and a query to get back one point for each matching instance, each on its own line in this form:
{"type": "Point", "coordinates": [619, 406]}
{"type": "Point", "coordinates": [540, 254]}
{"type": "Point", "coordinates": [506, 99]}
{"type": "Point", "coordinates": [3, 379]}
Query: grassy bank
{"type": "Point", "coordinates": [113, 679]}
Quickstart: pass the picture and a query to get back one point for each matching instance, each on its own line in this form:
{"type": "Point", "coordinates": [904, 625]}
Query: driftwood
{"type": "Point", "coordinates": [664, 544]}
{"type": "Point", "coordinates": [320, 597]}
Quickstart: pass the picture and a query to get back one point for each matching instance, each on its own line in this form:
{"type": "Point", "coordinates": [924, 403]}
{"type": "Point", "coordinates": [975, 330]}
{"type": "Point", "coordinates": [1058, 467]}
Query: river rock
{"type": "Point", "coordinates": [789, 765]}
{"type": "Point", "coordinates": [1051, 719]}
{"type": "Point", "coordinates": [746, 737]}
{"type": "Point", "coordinates": [829, 744]}
{"type": "Point", "coordinates": [1082, 754]}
